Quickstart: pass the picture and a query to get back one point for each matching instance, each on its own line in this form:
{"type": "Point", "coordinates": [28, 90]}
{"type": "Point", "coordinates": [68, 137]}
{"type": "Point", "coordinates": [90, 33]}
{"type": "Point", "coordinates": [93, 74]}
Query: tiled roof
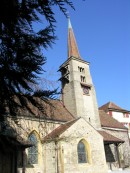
{"type": "Point", "coordinates": [111, 106]}
{"type": "Point", "coordinates": [51, 110]}
{"type": "Point", "coordinates": [108, 121]}
{"type": "Point", "coordinates": [108, 138]}
{"type": "Point", "coordinates": [55, 110]}
{"type": "Point", "coordinates": [72, 45]}
{"type": "Point", "coordinates": [62, 128]}
{"type": "Point", "coordinates": [59, 130]}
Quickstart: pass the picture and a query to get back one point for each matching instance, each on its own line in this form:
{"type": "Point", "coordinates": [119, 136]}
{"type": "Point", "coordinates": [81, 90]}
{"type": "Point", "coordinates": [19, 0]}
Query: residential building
{"type": "Point", "coordinates": [120, 114]}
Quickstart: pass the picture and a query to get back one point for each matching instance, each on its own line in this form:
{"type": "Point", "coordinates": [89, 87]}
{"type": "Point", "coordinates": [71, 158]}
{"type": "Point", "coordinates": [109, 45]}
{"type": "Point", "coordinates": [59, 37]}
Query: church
{"type": "Point", "coordinates": [72, 135]}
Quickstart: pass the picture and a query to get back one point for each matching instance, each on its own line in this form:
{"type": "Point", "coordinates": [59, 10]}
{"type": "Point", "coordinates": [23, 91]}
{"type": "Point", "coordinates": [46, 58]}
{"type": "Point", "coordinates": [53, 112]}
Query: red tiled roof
{"type": "Point", "coordinates": [59, 130]}
{"type": "Point", "coordinates": [112, 106]}
{"type": "Point", "coordinates": [108, 121]}
{"type": "Point", "coordinates": [108, 138]}
{"type": "Point", "coordinates": [51, 110]}
{"type": "Point", "coordinates": [57, 111]}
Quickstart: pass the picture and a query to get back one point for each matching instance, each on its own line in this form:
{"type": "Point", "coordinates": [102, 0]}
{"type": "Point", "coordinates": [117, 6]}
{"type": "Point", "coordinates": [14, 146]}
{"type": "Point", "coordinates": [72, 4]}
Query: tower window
{"type": "Point", "coordinates": [82, 78]}
{"type": "Point", "coordinates": [65, 70]}
{"type": "Point", "coordinates": [65, 75]}
{"type": "Point", "coordinates": [81, 69]}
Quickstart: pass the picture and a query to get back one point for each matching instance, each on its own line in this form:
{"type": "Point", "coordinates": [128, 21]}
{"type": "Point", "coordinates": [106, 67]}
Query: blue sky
{"type": "Point", "coordinates": [102, 31]}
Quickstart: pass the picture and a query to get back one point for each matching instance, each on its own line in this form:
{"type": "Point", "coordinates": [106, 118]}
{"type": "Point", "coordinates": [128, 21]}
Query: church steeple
{"type": "Point", "coordinates": [72, 45]}
{"type": "Point", "coordinates": [78, 93]}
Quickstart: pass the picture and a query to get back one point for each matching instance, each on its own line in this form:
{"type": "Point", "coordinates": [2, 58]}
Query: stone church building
{"type": "Point", "coordinates": [72, 136]}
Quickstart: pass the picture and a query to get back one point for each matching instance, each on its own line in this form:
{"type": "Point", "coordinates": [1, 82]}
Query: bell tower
{"type": "Point", "coordinates": [78, 93]}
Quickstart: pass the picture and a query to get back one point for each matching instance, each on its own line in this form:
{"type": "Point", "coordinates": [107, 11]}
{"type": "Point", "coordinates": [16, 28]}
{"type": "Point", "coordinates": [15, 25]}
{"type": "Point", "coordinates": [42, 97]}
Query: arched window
{"type": "Point", "coordinates": [82, 153]}
{"type": "Point", "coordinates": [33, 151]}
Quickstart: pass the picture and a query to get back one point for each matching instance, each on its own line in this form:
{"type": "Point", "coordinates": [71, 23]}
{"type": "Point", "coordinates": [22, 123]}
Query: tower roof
{"type": "Point", "coordinates": [72, 45]}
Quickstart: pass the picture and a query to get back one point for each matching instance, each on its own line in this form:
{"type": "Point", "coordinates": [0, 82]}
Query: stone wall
{"type": "Point", "coordinates": [61, 155]}
{"type": "Point", "coordinates": [79, 104]}
{"type": "Point", "coordinates": [81, 130]}
{"type": "Point", "coordinates": [25, 126]}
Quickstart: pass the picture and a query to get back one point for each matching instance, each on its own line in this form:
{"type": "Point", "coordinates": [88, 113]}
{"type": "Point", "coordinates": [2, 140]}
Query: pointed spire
{"type": "Point", "coordinates": [72, 45]}
{"type": "Point", "coordinates": [69, 23]}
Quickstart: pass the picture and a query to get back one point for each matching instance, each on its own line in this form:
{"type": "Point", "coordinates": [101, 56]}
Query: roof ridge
{"type": "Point", "coordinates": [59, 130]}
{"type": "Point", "coordinates": [111, 105]}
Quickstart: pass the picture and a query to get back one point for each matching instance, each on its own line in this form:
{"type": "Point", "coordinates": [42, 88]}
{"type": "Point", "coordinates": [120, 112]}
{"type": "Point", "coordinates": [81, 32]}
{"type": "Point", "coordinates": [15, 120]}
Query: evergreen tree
{"type": "Point", "coordinates": [21, 57]}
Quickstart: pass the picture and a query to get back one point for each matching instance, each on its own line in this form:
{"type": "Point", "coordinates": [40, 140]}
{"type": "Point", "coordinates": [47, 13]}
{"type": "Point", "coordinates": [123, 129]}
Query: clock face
{"type": "Point", "coordinates": [85, 90]}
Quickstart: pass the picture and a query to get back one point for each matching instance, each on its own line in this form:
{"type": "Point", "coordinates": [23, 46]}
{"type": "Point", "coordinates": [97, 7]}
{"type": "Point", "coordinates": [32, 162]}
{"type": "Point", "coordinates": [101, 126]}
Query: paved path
{"type": "Point", "coordinates": [121, 171]}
